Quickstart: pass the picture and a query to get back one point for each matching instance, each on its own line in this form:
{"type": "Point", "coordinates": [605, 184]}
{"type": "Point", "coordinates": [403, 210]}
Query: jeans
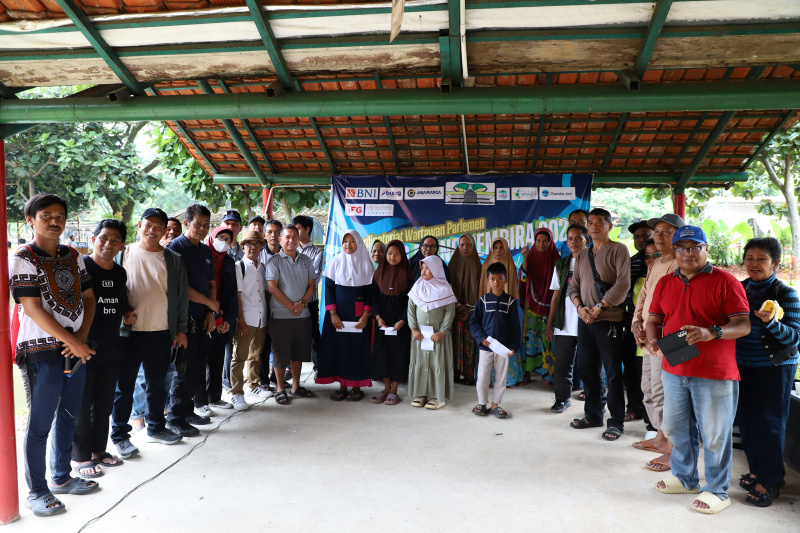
{"type": "Point", "coordinates": [152, 350]}
{"type": "Point", "coordinates": [707, 405]}
{"type": "Point", "coordinates": [599, 347]}
{"type": "Point", "coordinates": [190, 373]}
{"type": "Point", "coordinates": [91, 426]}
{"type": "Point", "coordinates": [54, 403]}
{"type": "Point", "coordinates": [139, 402]}
{"type": "Point", "coordinates": [226, 365]}
{"type": "Point", "coordinates": [764, 397]}
{"type": "Point", "coordinates": [565, 362]}
{"type": "Point", "coordinates": [210, 389]}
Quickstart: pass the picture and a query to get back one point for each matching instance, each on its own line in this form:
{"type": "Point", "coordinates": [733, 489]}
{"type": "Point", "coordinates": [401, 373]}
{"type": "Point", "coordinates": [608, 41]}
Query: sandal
{"type": "Point", "coordinates": [419, 401]}
{"type": "Point", "coordinates": [582, 396]}
{"type": "Point", "coordinates": [659, 464]}
{"type": "Point", "coordinates": [434, 404]}
{"type": "Point", "coordinates": [499, 412]}
{"type": "Point", "coordinates": [378, 398]}
{"type": "Point", "coordinates": [480, 410]}
{"type": "Point", "coordinates": [582, 423]}
{"type": "Point", "coordinates": [355, 395]}
{"type": "Point", "coordinates": [612, 434]}
{"type": "Point", "coordinates": [101, 460]}
{"type": "Point", "coordinates": [763, 499]}
{"type": "Point", "coordinates": [281, 398]}
{"type": "Point", "coordinates": [301, 392]}
{"type": "Point", "coordinates": [88, 471]}
{"type": "Point", "coordinates": [76, 486]}
{"type": "Point", "coordinates": [392, 399]}
{"type": "Point", "coordinates": [40, 505]}
{"type": "Point", "coordinates": [630, 416]}
{"type": "Point", "coordinates": [645, 446]}
{"type": "Point", "coordinates": [747, 482]}
{"type": "Point", "coordinates": [339, 395]}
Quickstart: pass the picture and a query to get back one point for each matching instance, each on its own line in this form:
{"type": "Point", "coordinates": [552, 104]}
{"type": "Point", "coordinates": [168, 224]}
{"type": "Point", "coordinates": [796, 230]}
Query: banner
{"type": "Point", "coordinates": [408, 208]}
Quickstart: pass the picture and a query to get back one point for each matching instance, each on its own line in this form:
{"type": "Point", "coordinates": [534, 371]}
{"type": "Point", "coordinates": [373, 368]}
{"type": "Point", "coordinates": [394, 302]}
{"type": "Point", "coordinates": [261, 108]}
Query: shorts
{"type": "Point", "coordinates": [291, 340]}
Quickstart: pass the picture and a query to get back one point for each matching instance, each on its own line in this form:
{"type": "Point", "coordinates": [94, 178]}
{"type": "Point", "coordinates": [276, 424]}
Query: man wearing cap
{"type": "Point", "coordinates": [641, 232]}
{"type": "Point", "coordinates": [233, 221]}
{"type": "Point", "coordinates": [701, 393]}
{"type": "Point", "coordinates": [252, 326]}
{"type": "Point", "coordinates": [159, 295]}
{"type": "Point", "coordinates": [653, 393]}
{"type": "Point", "coordinates": [257, 224]}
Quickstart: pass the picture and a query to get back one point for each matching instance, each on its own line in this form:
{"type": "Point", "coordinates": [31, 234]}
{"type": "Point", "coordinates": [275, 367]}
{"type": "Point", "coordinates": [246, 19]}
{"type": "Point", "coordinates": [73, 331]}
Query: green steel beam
{"type": "Point", "coordinates": [711, 96]}
{"type": "Point", "coordinates": [660, 12]}
{"type": "Point", "coordinates": [613, 143]}
{"type": "Point", "coordinates": [389, 133]}
{"type": "Point", "coordinates": [246, 127]}
{"type": "Point", "coordinates": [697, 129]}
{"type": "Point", "coordinates": [768, 138]}
{"type": "Point", "coordinates": [281, 179]}
{"type": "Point", "coordinates": [539, 130]}
{"type": "Point", "coordinates": [271, 43]}
{"type": "Point", "coordinates": [237, 139]}
{"type": "Point", "coordinates": [711, 140]}
{"type": "Point", "coordinates": [454, 31]}
{"type": "Point", "coordinates": [100, 45]}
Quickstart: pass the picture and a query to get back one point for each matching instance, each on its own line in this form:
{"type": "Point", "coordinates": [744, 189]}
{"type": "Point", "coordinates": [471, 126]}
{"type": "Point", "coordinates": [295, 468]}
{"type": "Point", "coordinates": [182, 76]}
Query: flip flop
{"type": "Point", "coordinates": [392, 399]}
{"type": "Point", "coordinates": [301, 392]}
{"type": "Point", "coordinates": [673, 485]}
{"type": "Point", "coordinates": [419, 401]}
{"type": "Point", "coordinates": [630, 416]}
{"type": "Point", "coordinates": [645, 446]}
{"type": "Point", "coordinates": [76, 486]}
{"type": "Point", "coordinates": [100, 460]}
{"type": "Point", "coordinates": [378, 398]}
{"type": "Point", "coordinates": [653, 465]}
{"type": "Point", "coordinates": [715, 504]}
{"type": "Point", "coordinates": [38, 504]}
{"type": "Point", "coordinates": [82, 470]}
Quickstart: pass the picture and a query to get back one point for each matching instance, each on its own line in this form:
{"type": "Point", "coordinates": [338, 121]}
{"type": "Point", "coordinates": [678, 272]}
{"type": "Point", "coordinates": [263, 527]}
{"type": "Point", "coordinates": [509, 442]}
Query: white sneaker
{"type": "Point", "coordinates": [650, 435]}
{"type": "Point", "coordinates": [204, 410]}
{"type": "Point", "coordinates": [261, 393]}
{"type": "Point", "coordinates": [239, 403]}
{"type": "Point", "coordinates": [222, 404]}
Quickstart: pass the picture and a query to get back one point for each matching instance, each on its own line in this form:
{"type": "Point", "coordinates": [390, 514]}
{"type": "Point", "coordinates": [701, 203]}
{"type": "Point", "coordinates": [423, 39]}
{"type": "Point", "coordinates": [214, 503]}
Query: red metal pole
{"type": "Point", "coordinates": [9, 492]}
{"type": "Point", "coordinates": [679, 204]}
{"type": "Point", "coordinates": [267, 207]}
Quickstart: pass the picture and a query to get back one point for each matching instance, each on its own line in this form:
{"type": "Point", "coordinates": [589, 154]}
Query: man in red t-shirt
{"type": "Point", "coordinates": [711, 306]}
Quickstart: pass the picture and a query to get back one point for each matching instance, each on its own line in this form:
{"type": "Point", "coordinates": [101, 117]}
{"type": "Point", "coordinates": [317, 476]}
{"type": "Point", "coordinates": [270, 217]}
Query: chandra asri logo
{"type": "Point", "coordinates": [558, 193]}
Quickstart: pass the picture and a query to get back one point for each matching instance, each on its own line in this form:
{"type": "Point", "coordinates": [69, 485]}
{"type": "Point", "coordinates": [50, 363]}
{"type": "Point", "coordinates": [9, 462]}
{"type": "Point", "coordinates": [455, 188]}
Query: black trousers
{"type": "Point", "coordinates": [210, 390]}
{"type": "Point", "coordinates": [313, 308]}
{"type": "Point", "coordinates": [600, 346]}
{"type": "Point", "coordinates": [764, 396]}
{"type": "Point", "coordinates": [265, 365]}
{"type": "Point", "coordinates": [565, 362]}
{"type": "Point", "coordinates": [92, 422]}
{"type": "Point", "coordinates": [190, 373]}
{"type": "Point", "coordinates": [153, 351]}
{"type": "Point", "coordinates": [632, 375]}
{"type": "Point", "coordinates": [226, 366]}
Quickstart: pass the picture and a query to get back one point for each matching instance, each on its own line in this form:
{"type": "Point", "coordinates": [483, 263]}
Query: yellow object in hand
{"type": "Point", "coordinates": [773, 308]}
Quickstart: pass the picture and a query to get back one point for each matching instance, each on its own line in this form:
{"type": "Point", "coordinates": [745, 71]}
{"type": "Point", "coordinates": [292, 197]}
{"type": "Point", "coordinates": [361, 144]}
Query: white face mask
{"type": "Point", "coordinates": [221, 246]}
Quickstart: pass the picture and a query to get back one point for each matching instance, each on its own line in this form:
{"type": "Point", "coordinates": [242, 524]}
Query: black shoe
{"type": "Point", "coordinates": [560, 407]}
{"type": "Point", "coordinates": [198, 420]}
{"type": "Point", "coordinates": [183, 429]}
{"type": "Point", "coordinates": [164, 436]}
{"type": "Point", "coordinates": [288, 374]}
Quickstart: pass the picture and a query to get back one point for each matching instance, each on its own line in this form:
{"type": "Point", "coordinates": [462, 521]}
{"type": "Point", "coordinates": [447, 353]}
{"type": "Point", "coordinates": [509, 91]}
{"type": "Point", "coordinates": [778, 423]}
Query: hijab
{"type": "Point", "coordinates": [351, 270]}
{"type": "Point", "coordinates": [433, 293]}
{"type": "Point", "coordinates": [394, 279]}
{"type": "Point", "coordinates": [417, 257]}
{"type": "Point", "coordinates": [375, 263]}
{"type": "Point", "coordinates": [511, 287]}
{"type": "Point", "coordinates": [540, 273]}
{"type": "Point", "coordinates": [219, 257]}
{"type": "Point", "coordinates": [465, 274]}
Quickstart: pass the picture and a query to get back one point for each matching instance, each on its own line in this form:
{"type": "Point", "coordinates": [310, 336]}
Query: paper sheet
{"type": "Point", "coordinates": [427, 333]}
{"type": "Point", "coordinates": [389, 331]}
{"type": "Point", "coordinates": [349, 327]}
{"type": "Point", "coordinates": [498, 348]}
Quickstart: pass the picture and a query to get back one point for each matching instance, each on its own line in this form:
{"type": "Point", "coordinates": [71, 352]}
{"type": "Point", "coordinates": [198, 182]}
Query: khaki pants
{"type": "Point", "coordinates": [247, 354]}
{"type": "Point", "coordinates": [653, 390]}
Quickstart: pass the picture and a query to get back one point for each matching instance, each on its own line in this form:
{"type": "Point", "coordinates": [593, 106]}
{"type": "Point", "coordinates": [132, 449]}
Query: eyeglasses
{"type": "Point", "coordinates": [428, 246]}
{"type": "Point", "coordinates": [654, 255]}
{"type": "Point", "coordinates": [690, 250]}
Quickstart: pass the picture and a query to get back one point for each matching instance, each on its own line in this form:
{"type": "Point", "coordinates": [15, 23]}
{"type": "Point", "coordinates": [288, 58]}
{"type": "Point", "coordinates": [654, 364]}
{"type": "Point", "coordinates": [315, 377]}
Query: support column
{"type": "Point", "coordinates": [9, 492]}
{"type": "Point", "coordinates": [267, 194]}
{"type": "Point", "coordinates": [679, 203]}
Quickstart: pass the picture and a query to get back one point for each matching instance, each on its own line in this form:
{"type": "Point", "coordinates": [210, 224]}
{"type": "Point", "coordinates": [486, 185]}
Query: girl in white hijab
{"type": "Point", "coordinates": [431, 303]}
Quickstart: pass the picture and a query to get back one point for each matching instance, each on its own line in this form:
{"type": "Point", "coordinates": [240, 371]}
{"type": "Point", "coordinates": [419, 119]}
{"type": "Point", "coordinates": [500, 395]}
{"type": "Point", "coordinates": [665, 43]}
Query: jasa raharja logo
{"type": "Point", "coordinates": [470, 193]}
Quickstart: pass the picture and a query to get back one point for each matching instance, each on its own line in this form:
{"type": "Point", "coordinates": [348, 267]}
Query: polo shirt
{"type": "Point", "coordinates": [315, 254]}
{"type": "Point", "coordinates": [252, 292]}
{"type": "Point", "coordinates": [292, 276]}
{"type": "Point", "coordinates": [199, 265]}
{"type": "Point", "coordinates": [710, 298]}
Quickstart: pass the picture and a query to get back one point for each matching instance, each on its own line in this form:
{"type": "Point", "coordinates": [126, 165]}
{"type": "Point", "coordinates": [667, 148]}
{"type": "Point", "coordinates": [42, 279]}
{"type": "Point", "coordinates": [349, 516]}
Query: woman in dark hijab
{"type": "Point", "coordinates": [465, 270]}
{"type": "Point", "coordinates": [428, 246]}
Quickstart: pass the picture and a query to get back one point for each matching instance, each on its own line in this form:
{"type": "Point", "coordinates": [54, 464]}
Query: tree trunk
{"type": "Point", "coordinates": [127, 211]}
{"type": "Point", "coordinates": [287, 210]}
{"type": "Point", "coordinates": [31, 187]}
{"type": "Point", "coordinates": [791, 206]}
{"type": "Point", "coordinates": [248, 205]}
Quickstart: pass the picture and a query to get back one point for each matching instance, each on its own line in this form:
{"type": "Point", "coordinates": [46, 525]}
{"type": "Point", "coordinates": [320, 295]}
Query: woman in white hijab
{"type": "Point", "coordinates": [345, 357]}
{"type": "Point", "coordinates": [431, 303]}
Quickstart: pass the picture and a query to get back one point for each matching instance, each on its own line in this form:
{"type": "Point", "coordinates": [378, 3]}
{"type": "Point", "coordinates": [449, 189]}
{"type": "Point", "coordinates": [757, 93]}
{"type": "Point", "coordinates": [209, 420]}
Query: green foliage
{"type": "Point", "coordinates": [725, 244]}
{"type": "Point", "coordinates": [131, 226]}
{"type": "Point", "coordinates": [631, 205]}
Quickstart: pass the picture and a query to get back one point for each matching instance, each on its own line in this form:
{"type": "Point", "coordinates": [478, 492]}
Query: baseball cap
{"type": "Point", "coordinates": [689, 233]}
{"type": "Point", "coordinates": [232, 214]}
{"type": "Point", "coordinates": [155, 212]}
{"type": "Point", "coordinates": [669, 218]}
{"type": "Point", "coordinates": [257, 218]}
{"type": "Point", "coordinates": [252, 236]}
{"type": "Point", "coordinates": [637, 225]}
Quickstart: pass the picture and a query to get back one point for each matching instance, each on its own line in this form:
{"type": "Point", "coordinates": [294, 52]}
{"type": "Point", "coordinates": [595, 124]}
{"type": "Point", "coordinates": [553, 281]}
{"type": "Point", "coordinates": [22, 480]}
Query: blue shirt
{"type": "Point", "coordinates": [496, 317]}
{"type": "Point", "coordinates": [199, 270]}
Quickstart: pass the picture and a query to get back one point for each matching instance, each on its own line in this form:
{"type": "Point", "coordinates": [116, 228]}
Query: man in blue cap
{"type": "Point", "coordinates": [710, 305]}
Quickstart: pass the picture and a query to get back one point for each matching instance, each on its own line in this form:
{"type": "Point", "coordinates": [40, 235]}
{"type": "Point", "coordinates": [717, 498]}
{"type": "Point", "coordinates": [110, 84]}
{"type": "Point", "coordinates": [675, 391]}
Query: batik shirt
{"type": "Point", "coordinates": [59, 282]}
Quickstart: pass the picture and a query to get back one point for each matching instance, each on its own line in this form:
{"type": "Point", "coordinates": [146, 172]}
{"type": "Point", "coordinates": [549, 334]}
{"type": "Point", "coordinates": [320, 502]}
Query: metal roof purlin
{"type": "Point", "coordinates": [454, 33]}
{"type": "Point", "coordinates": [768, 138]}
{"type": "Point", "coordinates": [539, 131]}
{"type": "Point", "coordinates": [237, 139]}
{"type": "Point", "coordinates": [251, 134]}
{"type": "Point", "coordinates": [660, 12]}
{"type": "Point", "coordinates": [613, 143]}
{"type": "Point", "coordinates": [100, 45]}
{"type": "Point", "coordinates": [271, 43]}
{"type": "Point", "coordinates": [389, 129]}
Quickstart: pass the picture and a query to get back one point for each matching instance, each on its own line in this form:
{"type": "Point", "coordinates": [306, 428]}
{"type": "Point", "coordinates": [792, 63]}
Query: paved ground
{"type": "Point", "coordinates": [318, 465]}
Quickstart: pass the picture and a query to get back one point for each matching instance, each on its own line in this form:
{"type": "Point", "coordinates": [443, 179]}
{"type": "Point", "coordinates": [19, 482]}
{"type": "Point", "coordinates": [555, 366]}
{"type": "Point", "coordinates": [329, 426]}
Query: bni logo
{"type": "Point", "coordinates": [366, 193]}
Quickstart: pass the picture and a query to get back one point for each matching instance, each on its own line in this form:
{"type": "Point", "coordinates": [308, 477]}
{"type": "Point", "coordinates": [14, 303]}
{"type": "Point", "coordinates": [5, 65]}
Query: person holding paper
{"type": "Point", "coordinates": [344, 356]}
{"type": "Point", "coordinates": [495, 325]}
{"type": "Point", "coordinates": [431, 309]}
{"type": "Point", "coordinates": [391, 353]}
{"type": "Point", "coordinates": [465, 272]}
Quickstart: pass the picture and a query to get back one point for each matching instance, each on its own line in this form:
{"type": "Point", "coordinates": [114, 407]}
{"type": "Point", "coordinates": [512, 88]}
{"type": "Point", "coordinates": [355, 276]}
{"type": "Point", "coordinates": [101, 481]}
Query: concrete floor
{"type": "Point", "coordinates": [318, 465]}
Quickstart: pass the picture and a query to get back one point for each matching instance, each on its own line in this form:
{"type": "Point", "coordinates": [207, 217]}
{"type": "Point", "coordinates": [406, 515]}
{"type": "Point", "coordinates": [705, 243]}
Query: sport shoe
{"type": "Point", "coordinates": [222, 404]}
{"type": "Point", "coordinates": [560, 407]}
{"type": "Point", "coordinates": [261, 392]}
{"type": "Point", "coordinates": [182, 428]}
{"type": "Point", "coordinates": [126, 449]}
{"type": "Point", "coordinates": [203, 410]}
{"type": "Point", "coordinates": [239, 403]}
{"type": "Point", "coordinates": [163, 436]}
{"type": "Point", "coordinates": [198, 420]}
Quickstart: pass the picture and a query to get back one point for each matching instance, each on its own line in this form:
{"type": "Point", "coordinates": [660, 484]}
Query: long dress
{"type": "Point", "coordinates": [345, 357]}
{"type": "Point", "coordinates": [391, 354]}
{"type": "Point", "coordinates": [431, 373]}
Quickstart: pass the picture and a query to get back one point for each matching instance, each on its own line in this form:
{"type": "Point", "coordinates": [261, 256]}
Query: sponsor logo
{"type": "Point", "coordinates": [424, 193]}
{"type": "Point", "coordinates": [391, 194]}
{"type": "Point", "coordinates": [379, 210]}
{"type": "Point", "coordinates": [469, 193]}
{"type": "Point", "coordinates": [354, 210]}
{"type": "Point", "coordinates": [525, 193]}
{"type": "Point", "coordinates": [361, 193]}
{"type": "Point", "coordinates": [108, 283]}
{"type": "Point", "coordinates": [503, 194]}
{"type": "Point", "coordinates": [558, 193]}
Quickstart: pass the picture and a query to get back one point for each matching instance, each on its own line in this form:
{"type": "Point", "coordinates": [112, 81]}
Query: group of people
{"type": "Point", "coordinates": [156, 330]}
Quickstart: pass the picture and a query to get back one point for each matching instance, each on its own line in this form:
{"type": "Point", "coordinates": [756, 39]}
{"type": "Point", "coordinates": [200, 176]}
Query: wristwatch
{"type": "Point", "coordinates": [717, 330]}
{"type": "Point", "coordinates": [305, 303]}
{"type": "Point", "coordinates": [599, 305]}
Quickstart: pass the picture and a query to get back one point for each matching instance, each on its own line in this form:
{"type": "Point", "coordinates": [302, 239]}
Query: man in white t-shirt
{"type": "Point", "coordinates": [563, 320]}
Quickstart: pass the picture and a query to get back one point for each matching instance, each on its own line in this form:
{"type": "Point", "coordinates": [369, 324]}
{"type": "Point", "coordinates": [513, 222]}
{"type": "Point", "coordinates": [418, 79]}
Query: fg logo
{"type": "Point", "coordinates": [355, 210]}
{"type": "Point", "coordinates": [108, 283]}
{"type": "Point", "coordinates": [545, 193]}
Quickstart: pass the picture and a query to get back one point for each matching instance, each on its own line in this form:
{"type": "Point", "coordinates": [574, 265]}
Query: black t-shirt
{"type": "Point", "coordinates": [111, 297]}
